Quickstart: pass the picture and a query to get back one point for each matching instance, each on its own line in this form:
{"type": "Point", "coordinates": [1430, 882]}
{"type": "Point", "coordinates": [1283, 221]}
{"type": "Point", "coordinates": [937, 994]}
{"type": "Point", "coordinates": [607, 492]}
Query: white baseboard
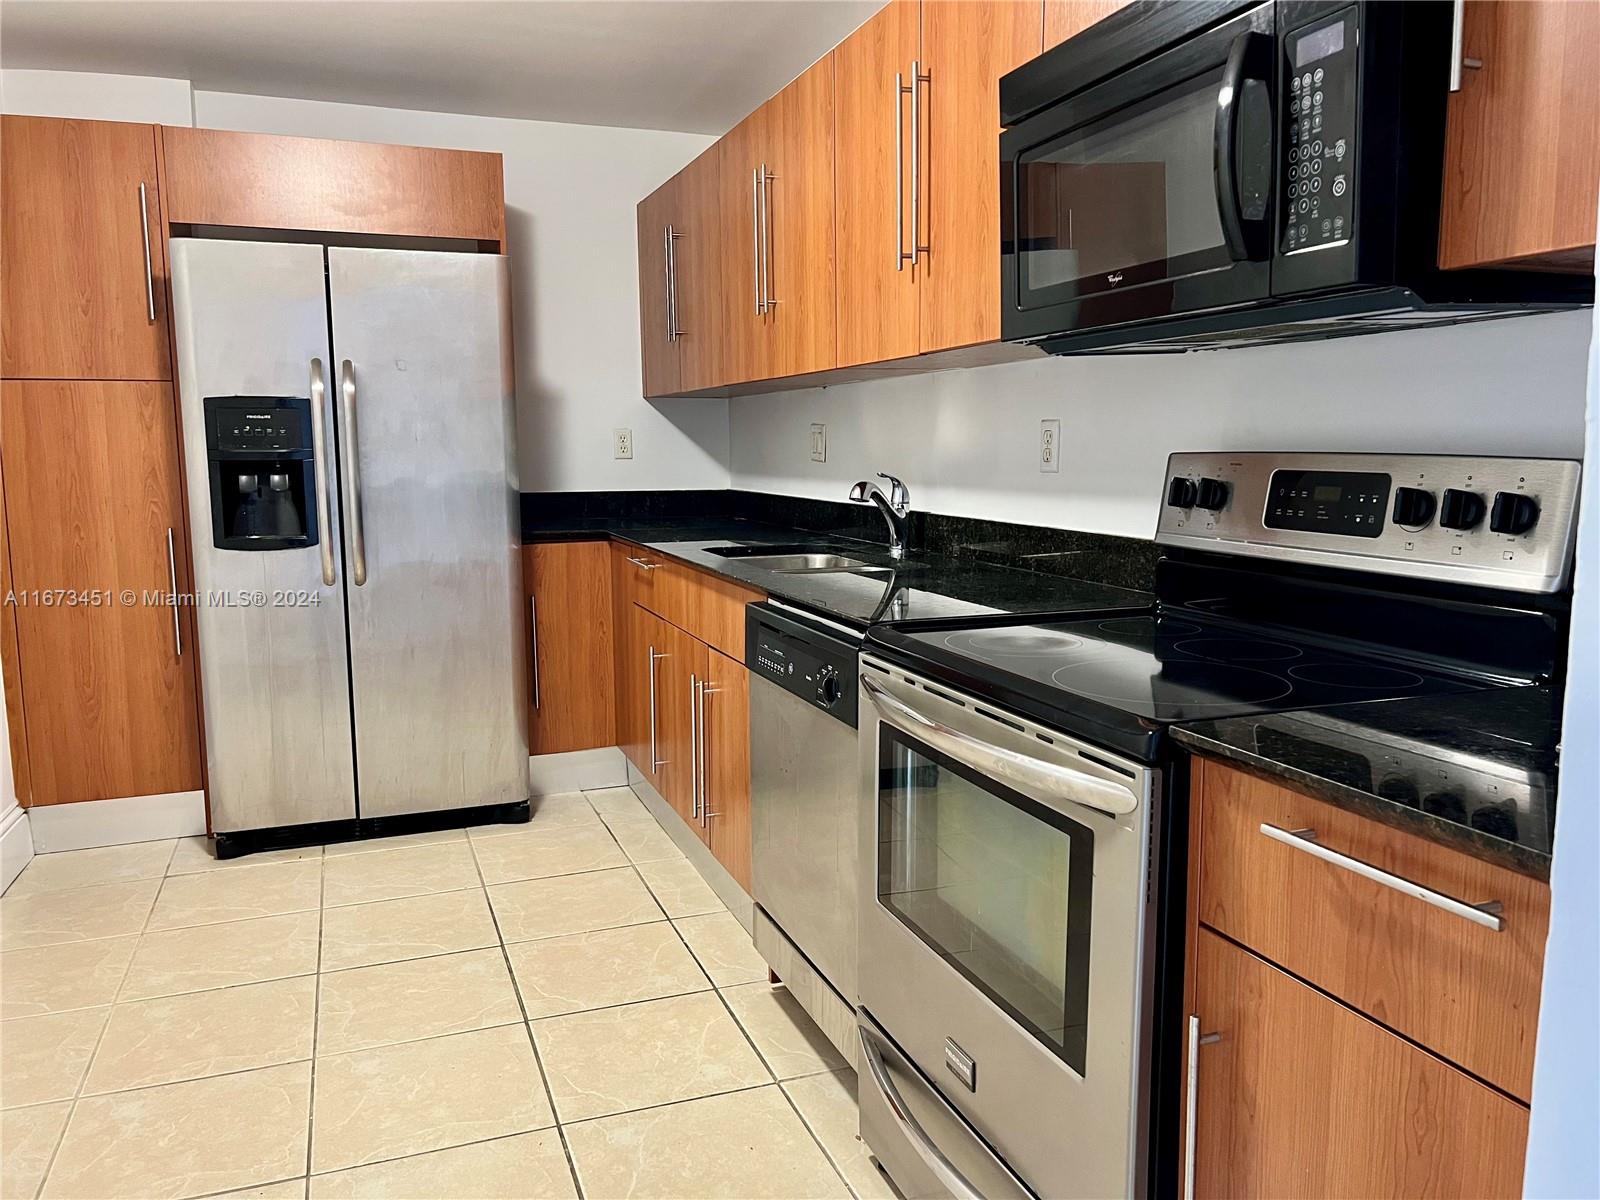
{"type": "Point", "coordinates": [578, 771]}
{"type": "Point", "coordinates": [697, 852]}
{"type": "Point", "coordinates": [115, 822]}
{"type": "Point", "coordinates": [16, 844]}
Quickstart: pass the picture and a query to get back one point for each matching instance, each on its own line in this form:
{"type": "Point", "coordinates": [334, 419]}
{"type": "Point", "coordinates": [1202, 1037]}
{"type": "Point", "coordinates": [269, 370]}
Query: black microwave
{"type": "Point", "coordinates": [1191, 174]}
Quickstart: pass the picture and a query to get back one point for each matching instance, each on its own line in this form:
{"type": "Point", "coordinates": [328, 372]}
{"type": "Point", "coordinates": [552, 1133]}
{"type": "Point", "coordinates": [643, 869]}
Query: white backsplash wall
{"type": "Point", "coordinates": [967, 442]}
{"type": "Point", "coordinates": [571, 191]}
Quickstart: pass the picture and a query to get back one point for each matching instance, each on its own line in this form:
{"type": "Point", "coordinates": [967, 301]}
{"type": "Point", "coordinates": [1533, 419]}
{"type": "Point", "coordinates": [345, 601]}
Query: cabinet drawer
{"type": "Point", "coordinates": [708, 608]}
{"type": "Point", "coordinates": [1468, 992]}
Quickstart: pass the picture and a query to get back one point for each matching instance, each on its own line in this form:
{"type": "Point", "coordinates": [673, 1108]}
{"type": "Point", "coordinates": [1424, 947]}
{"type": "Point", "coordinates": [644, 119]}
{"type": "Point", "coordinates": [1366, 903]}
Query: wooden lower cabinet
{"type": "Point", "coordinates": [93, 503]}
{"type": "Point", "coordinates": [1300, 1096]}
{"type": "Point", "coordinates": [572, 705]}
{"type": "Point", "coordinates": [725, 765]}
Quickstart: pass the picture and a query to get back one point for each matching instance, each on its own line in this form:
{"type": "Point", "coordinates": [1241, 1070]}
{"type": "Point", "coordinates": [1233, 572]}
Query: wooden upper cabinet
{"type": "Point", "coordinates": [217, 177]}
{"type": "Point", "coordinates": [1300, 1096]}
{"type": "Point", "coordinates": [1064, 18]}
{"type": "Point", "coordinates": [81, 266]}
{"type": "Point", "coordinates": [92, 502]}
{"type": "Point", "coordinates": [701, 271]}
{"type": "Point", "coordinates": [877, 293]}
{"type": "Point", "coordinates": [659, 218]}
{"type": "Point", "coordinates": [572, 703]}
{"type": "Point", "coordinates": [738, 323]}
{"type": "Point", "coordinates": [794, 141]}
{"type": "Point", "coordinates": [966, 46]}
{"type": "Point", "coordinates": [1522, 156]}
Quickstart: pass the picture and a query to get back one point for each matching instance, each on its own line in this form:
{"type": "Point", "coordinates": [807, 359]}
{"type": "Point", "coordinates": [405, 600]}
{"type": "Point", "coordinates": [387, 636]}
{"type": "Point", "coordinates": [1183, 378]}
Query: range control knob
{"type": "Point", "coordinates": [1460, 509]}
{"type": "Point", "coordinates": [1413, 507]}
{"type": "Point", "coordinates": [1213, 494]}
{"type": "Point", "coordinates": [828, 687]}
{"type": "Point", "coordinates": [1513, 513]}
{"type": "Point", "coordinates": [1182, 492]}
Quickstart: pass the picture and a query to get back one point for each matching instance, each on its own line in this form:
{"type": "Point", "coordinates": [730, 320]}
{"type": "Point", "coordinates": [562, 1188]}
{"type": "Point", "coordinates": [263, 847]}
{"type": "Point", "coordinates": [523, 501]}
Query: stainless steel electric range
{"type": "Point", "coordinates": [1022, 818]}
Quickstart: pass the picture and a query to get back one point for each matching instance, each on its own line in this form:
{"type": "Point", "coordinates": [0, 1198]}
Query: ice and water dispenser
{"type": "Point", "coordinates": [263, 473]}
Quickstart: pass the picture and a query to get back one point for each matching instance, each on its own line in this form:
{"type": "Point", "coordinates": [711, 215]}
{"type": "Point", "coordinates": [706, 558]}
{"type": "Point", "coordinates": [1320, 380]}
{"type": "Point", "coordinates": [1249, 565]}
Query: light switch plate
{"type": "Point", "coordinates": [819, 443]}
{"type": "Point", "coordinates": [622, 443]}
{"type": "Point", "coordinates": [1050, 445]}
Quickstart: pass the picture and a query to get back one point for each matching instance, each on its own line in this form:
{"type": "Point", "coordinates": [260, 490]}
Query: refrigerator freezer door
{"type": "Point", "coordinates": [422, 365]}
{"type": "Point", "coordinates": [251, 318]}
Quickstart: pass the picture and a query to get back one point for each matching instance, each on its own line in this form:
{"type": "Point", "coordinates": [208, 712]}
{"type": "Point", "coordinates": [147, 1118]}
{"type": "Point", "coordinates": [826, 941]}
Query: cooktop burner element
{"type": "Point", "coordinates": [1181, 688]}
{"type": "Point", "coordinates": [1011, 643]}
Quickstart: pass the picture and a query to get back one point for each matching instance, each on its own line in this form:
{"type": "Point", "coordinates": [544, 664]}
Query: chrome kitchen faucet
{"type": "Point", "coordinates": [895, 505]}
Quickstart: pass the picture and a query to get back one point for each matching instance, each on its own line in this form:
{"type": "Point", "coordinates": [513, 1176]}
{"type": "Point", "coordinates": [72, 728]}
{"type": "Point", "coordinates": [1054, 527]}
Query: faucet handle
{"type": "Point", "coordinates": [899, 494]}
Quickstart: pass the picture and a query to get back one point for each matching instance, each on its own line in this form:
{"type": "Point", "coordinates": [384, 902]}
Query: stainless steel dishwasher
{"type": "Point", "coordinates": [804, 785]}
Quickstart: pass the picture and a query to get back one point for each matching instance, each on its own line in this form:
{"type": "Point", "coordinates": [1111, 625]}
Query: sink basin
{"type": "Point", "coordinates": [757, 551]}
{"type": "Point", "coordinates": [794, 564]}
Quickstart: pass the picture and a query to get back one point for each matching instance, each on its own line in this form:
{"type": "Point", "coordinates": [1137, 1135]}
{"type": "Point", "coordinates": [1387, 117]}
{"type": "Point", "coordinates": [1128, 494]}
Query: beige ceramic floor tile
{"type": "Point", "coordinates": [724, 948]}
{"type": "Point", "coordinates": [510, 1168]}
{"type": "Point", "coordinates": [417, 998]}
{"type": "Point", "coordinates": [43, 1058]}
{"type": "Point", "coordinates": [619, 804]}
{"type": "Point", "coordinates": [364, 934]}
{"type": "Point", "coordinates": [196, 854]}
{"type": "Point", "coordinates": [391, 874]}
{"type": "Point", "coordinates": [606, 967]}
{"type": "Point", "coordinates": [85, 868]}
{"type": "Point", "coordinates": [539, 853]}
{"type": "Point", "coordinates": [564, 810]}
{"type": "Point", "coordinates": [398, 1100]}
{"type": "Point", "coordinates": [58, 978]}
{"type": "Point", "coordinates": [644, 841]}
{"type": "Point", "coordinates": [79, 915]}
{"type": "Point", "coordinates": [615, 1059]}
{"type": "Point", "coordinates": [540, 908]}
{"type": "Point", "coordinates": [744, 1146]}
{"type": "Point", "coordinates": [212, 897]}
{"type": "Point", "coordinates": [186, 1139]}
{"type": "Point", "coordinates": [204, 1033]}
{"type": "Point", "coordinates": [680, 888]}
{"type": "Point", "coordinates": [786, 1038]}
{"type": "Point", "coordinates": [171, 961]}
{"type": "Point", "coordinates": [827, 1102]}
{"type": "Point", "coordinates": [430, 837]}
{"type": "Point", "coordinates": [288, 1189]}
{"type": "Point", "coordinates": [29, 1136]}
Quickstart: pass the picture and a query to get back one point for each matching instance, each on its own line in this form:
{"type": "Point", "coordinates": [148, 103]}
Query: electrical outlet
{"type": "Point", "coordinates": [622, 443]}
{"type": "Point", "coordinates": [819, 443]}
{"type": "Point", "coordinates": [1049, 445]}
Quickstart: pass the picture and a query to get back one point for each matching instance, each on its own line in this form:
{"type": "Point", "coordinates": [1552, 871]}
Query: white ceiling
{"type": "Point", "coordinates": [695, 65]}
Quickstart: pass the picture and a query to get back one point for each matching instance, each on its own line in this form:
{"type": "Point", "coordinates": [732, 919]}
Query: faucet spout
{"type": "Point", "coordinates": [895, 505]}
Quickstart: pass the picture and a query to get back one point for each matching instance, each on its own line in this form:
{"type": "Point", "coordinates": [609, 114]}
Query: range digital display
{"type": "Point", "coordinates": [1352, 503]}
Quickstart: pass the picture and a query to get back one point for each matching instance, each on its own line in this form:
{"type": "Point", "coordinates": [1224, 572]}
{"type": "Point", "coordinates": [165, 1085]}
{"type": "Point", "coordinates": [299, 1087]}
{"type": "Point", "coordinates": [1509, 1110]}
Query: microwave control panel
{"type": "Point", "coordinates": [1319, 71]}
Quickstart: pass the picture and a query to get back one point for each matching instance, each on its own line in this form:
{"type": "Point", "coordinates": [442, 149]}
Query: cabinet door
{"type": "Point", "coordinates": [631, 670]}
{"type": "Point", "coordinates": [966, 46]}
{"type": "Point", "coordinates": [1300, 1096]}
{"type": "Point", "coordinates": [92, 502]}
{"type": "Point", "coordinates": [877, 291]}
{"type": "Point", "coordinates": [573, 706]}
{"type": "Point", "coordinates": [678, 668]}
{"type": "Point", "coordinates": [83, 275]}
{"type": "Point", "coordinates": [739, 324]}
{"type": "Point", "coordinates": [659, 218]}
{"type": "Point", "coordinates": [725, 769]}
{"type": "Point", "coordinates": [1065, 18]}
{"type": "Point", "coordinates": [702, 267]}
{"type": "Point", "coordinates": [1522, 151]}
{"type": "Point", "coordinates": [795, 144]}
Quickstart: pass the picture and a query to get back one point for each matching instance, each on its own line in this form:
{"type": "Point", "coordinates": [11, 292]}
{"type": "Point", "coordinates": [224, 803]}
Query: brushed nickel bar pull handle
{"type": "Point", "coordinates": [656, 762]}
{"type": "Point", "coordinates": [1486, 914]}
{"type": "Point", "coordinates": [768, 300]}
{"type": "Point", "coordinates": [1192, 1100]}
{"type": "Point", "coordinates": [149, 264]}
{"type": "Point", "coordinates": [694, 748]}
{"type": "Point", "coordinates": [917, 80]}
{"type": "Point", "coordinates": [755, 236]}
{"type": "Point", "coordinates": [319, 460]}
{"type": "Point", "coordinates": [533, 623]}
{"type": "Point", "coordinates": [899, 173]}
{"type": "Point", "coordinates": [172, 577]}
{"type": "Point", "coordinates": [672, 265]}
{"type": "Point", "coordinates": [644, 564]}
{"type": "Point", "coordinates": [1458, 35]}
{"type": "Point", "coordinates": [352, 474]}
{"type": "Point", "coordinates": [666, 273]}
{"type": "Point", "coordinates": [706, 689]}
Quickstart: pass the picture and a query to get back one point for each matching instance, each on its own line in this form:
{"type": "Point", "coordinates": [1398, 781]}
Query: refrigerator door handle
{"type": "Point", "coordinates": [352, 474]}
{"type": "Point", "coordinates": [319, 459]}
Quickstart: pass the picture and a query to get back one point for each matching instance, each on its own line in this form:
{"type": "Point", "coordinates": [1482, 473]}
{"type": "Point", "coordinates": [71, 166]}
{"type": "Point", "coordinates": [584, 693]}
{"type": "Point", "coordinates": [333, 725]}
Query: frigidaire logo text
{"type": "Point", "coordinates": [1114, 278]}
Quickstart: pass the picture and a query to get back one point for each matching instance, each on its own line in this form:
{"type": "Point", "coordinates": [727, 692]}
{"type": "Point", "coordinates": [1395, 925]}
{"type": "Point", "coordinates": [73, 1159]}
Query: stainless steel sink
{"type": "Point", "coordinates": [794, 564]}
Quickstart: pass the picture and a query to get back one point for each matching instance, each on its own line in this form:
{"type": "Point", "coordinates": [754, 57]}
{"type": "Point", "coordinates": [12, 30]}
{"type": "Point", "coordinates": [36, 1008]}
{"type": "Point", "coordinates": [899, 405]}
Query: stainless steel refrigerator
{"type": "Point", "coordinates": [349, 450]}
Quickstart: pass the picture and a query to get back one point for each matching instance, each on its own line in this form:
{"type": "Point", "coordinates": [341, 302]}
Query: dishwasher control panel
{"type": "Point", "coordinates": [805, 659]}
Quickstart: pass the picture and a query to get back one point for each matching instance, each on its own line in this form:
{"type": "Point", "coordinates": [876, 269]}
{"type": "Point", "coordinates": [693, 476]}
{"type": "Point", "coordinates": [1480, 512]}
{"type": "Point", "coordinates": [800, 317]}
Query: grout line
{"type": "Point", "coordinates": [815, 1136]}
{"type": "Point", "coordinates": [316, 1020]}
{"type": "Point", "coordinates": [644, 1108]}
{"type": "Point", "coordinates": [376, 1162]}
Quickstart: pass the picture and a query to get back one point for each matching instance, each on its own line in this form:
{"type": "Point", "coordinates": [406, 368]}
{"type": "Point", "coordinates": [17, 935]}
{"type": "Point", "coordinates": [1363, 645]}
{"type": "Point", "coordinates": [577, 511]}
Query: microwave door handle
{"type": "Point", "coordinates": [1245, 52]}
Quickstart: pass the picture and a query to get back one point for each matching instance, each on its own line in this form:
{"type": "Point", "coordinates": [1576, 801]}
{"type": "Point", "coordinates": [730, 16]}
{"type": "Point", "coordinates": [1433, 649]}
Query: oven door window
{"type": "Point", "coordinates": [1125, 200]}
{"type": "Point", "coordinates": [996, 884]}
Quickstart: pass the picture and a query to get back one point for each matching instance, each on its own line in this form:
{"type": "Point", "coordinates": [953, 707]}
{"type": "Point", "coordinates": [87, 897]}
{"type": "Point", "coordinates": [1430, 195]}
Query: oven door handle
{"type": "Point", "coordinates": [921, 1144]}
{"type": "Point", "coordinates": [1032, 773]}
{"type": "Point", "coordinates": [1249, 61]}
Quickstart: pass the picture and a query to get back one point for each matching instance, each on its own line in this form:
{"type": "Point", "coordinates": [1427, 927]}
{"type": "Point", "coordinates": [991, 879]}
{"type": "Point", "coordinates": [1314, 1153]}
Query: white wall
{"type": "Point", "coordinates": [570, 197]}
{"type": "Point", "coordinates": [92, 96]}
{"type": "Point", "coordinates": [1563, 1154]}
{"type": "Point", "coordinates": [966, 442]}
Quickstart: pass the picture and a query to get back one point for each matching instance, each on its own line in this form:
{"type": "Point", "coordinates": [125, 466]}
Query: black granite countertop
{"type": "Point", "coordinates": [923, 587]}
{"type": "Point", "coordinates": [1473, 770]}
